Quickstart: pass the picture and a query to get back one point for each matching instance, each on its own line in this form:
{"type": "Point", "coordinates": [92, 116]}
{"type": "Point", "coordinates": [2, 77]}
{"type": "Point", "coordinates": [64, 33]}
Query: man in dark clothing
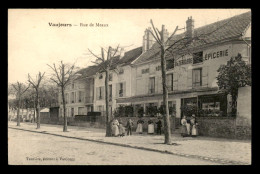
{"type": "Point", "coordinates": [129, 126]}
{"type": "Point", "coordinates": [159, 126]}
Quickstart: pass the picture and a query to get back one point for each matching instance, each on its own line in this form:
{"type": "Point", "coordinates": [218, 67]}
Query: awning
{"type": "Point", "coordinates": [143, 98]}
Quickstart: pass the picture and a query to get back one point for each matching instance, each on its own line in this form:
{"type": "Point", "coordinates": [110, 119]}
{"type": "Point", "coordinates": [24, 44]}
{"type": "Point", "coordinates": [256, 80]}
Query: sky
{"type": "Point", "coordinates": [33, 43]}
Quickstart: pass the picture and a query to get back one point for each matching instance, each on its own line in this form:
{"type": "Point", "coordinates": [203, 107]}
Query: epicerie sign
{"type": "Point", "coordinates": [216, 54]}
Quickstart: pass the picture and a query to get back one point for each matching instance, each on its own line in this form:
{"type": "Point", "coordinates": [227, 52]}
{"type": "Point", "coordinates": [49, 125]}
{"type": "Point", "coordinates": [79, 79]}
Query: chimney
{"type": "Point", "coordinates": [148, 40]}
{"type": "Point", "coordinates": [165, 33]}
{"type": "Point", "coordinates": [121, 52]}
{"type": "Point", "coordinates": [190, 27]}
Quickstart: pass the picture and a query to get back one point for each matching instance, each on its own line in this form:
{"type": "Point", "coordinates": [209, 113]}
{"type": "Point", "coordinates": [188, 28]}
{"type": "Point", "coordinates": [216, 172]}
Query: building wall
{"type": "Point", "coordinates": [86, 86]}
{"type": "Point", "coordinates": [117, 78]}
{"type": "Point", "coordinates": [213, 57]}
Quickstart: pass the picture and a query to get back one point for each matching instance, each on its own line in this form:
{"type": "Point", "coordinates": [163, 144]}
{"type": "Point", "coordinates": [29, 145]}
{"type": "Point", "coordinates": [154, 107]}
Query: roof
{"type": "Point", "coordinates": [127, 59]}
{"type": "Point", "coordinates": [87, 72]}
{"type": "Point", "coordinates": [223, 30]}
{"type": "Point", "coordinates": [45, 110]}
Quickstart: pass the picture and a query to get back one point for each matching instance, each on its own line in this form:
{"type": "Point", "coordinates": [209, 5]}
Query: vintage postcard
{"type": "Point", "coordinates": [129, 86]}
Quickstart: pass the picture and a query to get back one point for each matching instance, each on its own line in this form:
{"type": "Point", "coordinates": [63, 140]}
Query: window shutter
{"type": "Point", "coordinates": [97, 93]}
{"type": "Point", "coordinates": [147, 80]}
{"type": "Point", "coordinates": [189, 79]}
{"type": "Point", "coordinates": [205, 76]}
{"type": "Point", "coordinates": [117, 90]}
{"type": "Point", "coordinates": [124, 89]}
{"type": "Point", "coordinates": [175, 81]}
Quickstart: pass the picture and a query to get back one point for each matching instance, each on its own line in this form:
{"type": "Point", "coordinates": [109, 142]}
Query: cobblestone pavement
{"type": "Point", "coordinates": [224, 151]}
{"type": "Point", "coordinates": [28, 148]}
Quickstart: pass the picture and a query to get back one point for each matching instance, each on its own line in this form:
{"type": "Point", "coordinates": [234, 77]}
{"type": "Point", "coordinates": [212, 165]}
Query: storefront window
{"type": "Point", "coordinates": [212, 105]}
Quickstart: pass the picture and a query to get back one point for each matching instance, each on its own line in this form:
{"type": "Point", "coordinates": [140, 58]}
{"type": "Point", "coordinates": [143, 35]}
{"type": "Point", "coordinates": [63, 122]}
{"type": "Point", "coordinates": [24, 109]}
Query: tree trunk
{"type": "Point", "coordinates": [108, 127]}
{"type": "Point", "coordinates": [34, 113]}
{"type": "Point", "coordinates": [234, 95]}
{"type": "Point", "coordinates": [65, 129]}
{"type": "Point", "coordinates": [18, 111]}
{"type": "Point", "coordinates": [167, 130]}
{"type": "Point", "coordinates": [38, 111]}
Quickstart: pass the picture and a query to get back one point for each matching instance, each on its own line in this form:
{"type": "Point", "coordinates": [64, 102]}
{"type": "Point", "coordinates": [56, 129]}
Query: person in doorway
{"type": "Point", "coordinates": [159, 127]}
{"type": "Point", "coordinates": [129, 126]}
{"type": "Point", "coordinates": [194, 126]}
{"type": "Point", "coordinates": [139, 128]}
{"type": "Point", "coordinates": [183, 126]}
{"type": "Point", "coordinates": [188, 126]}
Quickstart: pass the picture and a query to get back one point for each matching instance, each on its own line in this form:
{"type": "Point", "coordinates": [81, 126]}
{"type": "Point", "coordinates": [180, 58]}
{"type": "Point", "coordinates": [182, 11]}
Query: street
{"type": "Point", "coordinates": [28, 148]}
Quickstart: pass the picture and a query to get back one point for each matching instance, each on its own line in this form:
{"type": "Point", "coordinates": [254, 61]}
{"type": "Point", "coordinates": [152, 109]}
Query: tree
{"type": "Point", "coordinates": [159, 37]}
{"type": "Point", "coordinates": [20, 89]}
{"type": "Point", "coordinates": [105, 63]}
{"type": "Point", "coordinates": [61, 77]}
{"type": "Point", "coordinates": [235, 74]}
{"type": "Point", "coordinates": [36, 84]}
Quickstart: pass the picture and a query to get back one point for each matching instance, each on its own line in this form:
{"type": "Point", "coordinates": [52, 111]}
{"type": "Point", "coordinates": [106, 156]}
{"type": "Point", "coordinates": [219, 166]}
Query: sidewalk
{"type": "Point", "coordinates": [224, 151]}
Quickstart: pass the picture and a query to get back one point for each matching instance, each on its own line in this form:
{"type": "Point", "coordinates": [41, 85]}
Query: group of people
{"type": "Point", "coordinates": [189, 126]}
{"type": "Point", "coordinates": [118, 128]}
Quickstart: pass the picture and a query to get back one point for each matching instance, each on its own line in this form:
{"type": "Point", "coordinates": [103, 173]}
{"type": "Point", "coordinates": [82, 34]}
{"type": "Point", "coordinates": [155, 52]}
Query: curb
{"type": "Point", "coordinates": [217, 160]}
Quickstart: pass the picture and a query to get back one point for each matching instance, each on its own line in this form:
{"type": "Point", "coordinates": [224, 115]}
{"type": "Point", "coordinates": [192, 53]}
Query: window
{"type": "Point", "coordinates": [110, 93]}
{"type": "Point", "coordinates": [72, 112]}
{"type": "Point", "coordinates": [169, 64]}
{"type": "Point", "coordinates": [72, 97]}
{"type": "Point", "coordinates": [158, 68]}
{"type": "Point", "coordinates": [196, 77]}
{"type": "Point", "coordinates": [144, 71]}
{"type": "Point", "coordinates": [169, 82]}
{"type": "Point", "coordinates": [80, 96]}
{"type": "Point", "coordinates": [72, 86]}
{"type": "Point", "coordinates": [121, 71]}
{"type": "Point", "coordinates": [100, 76]}
{"type": "Point", "coordinates": [198, 57]}
{"type": "Point", "coordinates": [213, 105]}
{"type": "Point", "coordinates": [66, 98]}
{"type": "Point", "coordinates": [110, 77]}
{"type": "Point", "coordinates": [121, 90]}
{"type": "Point", "coordinates": [100, 93]}
{"type": "Point", "coordinates": [151, 85]}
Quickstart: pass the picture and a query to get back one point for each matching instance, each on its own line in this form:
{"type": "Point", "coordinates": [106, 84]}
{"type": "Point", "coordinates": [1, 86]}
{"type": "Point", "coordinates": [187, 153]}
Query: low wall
{"type": "Point", "coordinates": [223, 127]}
{"type": "Point", "coordinates": [217, 127]}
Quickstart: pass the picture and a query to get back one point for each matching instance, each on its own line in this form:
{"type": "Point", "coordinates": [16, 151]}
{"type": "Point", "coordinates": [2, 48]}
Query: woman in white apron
{"type": "Point", "coordinates": [115, 130]}
{"type": "Point", "coordinates": [183, 126]}
{"type": "Point", "coordinates": [139, 128]}
{"type": "Point", "coordinates": [150, 127]}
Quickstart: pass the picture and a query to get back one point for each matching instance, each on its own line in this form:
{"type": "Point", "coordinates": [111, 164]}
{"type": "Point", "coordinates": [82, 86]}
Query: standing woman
{"type": "Point", "coordinates": [115, 130]}
{"type": "Point", "coordinates": [150, 127]}
{"type": "Point", "coordinates": [139, 128]}
{"type": "Point", "coordinates": [194, 124]}
{"type": "Point", "coordinates": [183, 126]}
{"type": "Point", "coordinates": [121, 129]}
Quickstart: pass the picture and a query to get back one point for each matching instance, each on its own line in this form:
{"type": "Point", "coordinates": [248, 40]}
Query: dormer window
{"type": "Point", "coordinates": [100, 76]}
{"type": "Point", "coordinates": [121, 71]}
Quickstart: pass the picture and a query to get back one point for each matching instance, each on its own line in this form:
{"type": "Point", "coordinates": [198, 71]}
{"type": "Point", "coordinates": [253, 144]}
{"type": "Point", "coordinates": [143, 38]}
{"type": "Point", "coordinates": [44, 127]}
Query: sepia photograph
{"type": "Point", "coordinates": [129, 87]}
